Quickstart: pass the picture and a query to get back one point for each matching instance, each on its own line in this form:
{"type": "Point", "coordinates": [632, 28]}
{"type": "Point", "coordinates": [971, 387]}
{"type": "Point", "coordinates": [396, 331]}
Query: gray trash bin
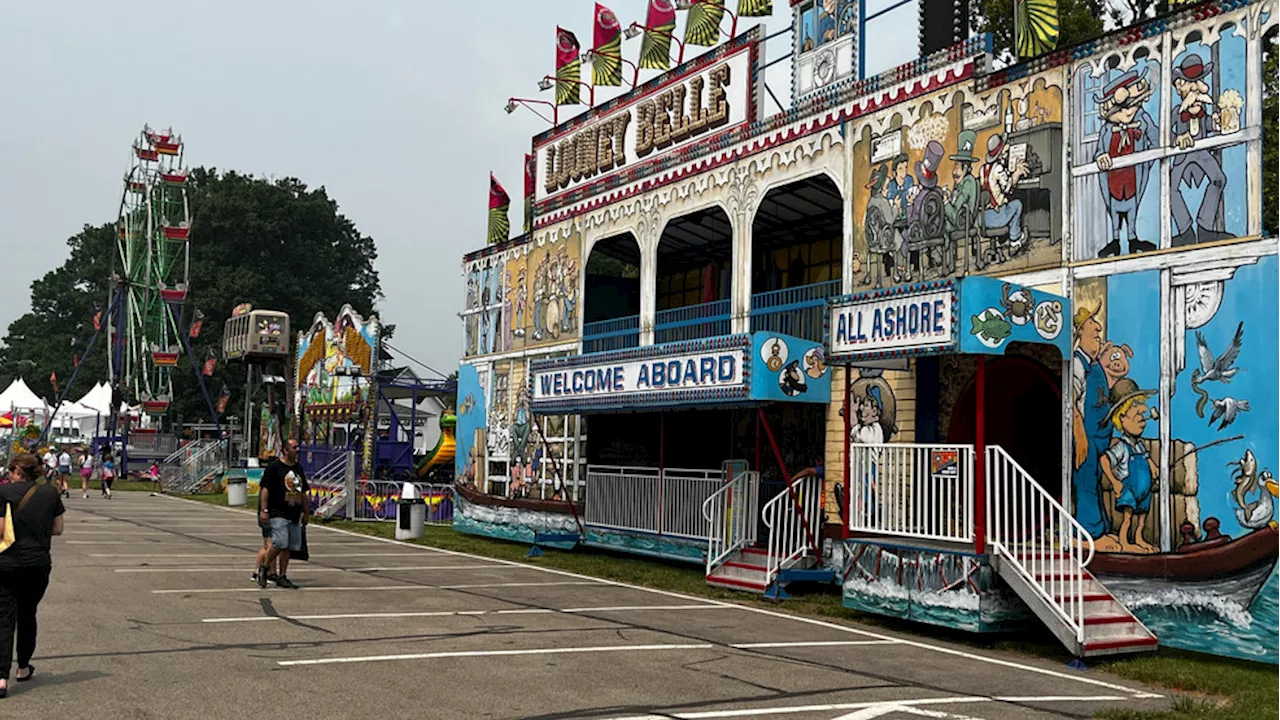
{"type": "Point", "coordinates": [237, 490]}
{"type": "Point", "coordinates": [411, 513]}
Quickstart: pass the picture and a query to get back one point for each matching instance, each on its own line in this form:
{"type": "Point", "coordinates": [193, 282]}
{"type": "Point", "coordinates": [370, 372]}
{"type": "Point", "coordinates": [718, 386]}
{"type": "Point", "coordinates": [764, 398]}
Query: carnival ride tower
{"type": "Point", "coordinates": [151, 272]}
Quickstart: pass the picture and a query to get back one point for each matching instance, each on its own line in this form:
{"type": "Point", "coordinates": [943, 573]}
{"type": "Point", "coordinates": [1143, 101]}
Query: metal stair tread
{"type": "Point", "coordinates": [736, 583]}
{"type": "Point", "coordinates": [1108, 619]}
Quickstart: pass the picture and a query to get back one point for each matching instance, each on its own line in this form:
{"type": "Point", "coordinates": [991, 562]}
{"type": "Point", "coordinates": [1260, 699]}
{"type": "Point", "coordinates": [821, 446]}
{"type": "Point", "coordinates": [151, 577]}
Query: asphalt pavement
{"type": "Point", "coordinates": [151, 614]}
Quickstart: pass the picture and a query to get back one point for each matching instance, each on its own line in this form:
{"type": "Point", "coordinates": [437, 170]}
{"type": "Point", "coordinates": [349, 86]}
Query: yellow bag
{"type": "Point", "coordinates": [7, 538]}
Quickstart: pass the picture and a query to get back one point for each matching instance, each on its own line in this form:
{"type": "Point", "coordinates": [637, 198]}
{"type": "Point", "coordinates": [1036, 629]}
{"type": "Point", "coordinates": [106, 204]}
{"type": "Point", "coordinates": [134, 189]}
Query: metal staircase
{"type": "Point", "coordinates": [332, 477]}
{"type": "Point", "coordinates": [192, 467]}
{"type": "Point", "coordinates": [793, 519]}
{"type": "Point", "coordinates": [1040, 550]}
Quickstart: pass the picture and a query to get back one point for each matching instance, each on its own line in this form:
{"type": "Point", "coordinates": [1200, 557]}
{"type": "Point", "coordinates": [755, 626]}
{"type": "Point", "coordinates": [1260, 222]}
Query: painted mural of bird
{"type": "Point", "coordinates": [1219, 368]}
{"type": "Point", "coordinates": [1227, 409]}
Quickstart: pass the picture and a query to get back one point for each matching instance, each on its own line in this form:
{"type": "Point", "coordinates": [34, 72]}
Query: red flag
{"type": "Point", "coordinates": [210, 363]}
{"type": "Point", "coordinates": [568, 68]}
{"type": "Point", "coordinates": [223, 397]}
{"type": "Point", "coordinates": [75, 360]}
{"type": "Point", "coordinates": [606, 66]}
{"type": "Point", "coordinates": [655, 49]}
{"type": "Point", "coordinates": [197, 322]}
{"type": "Point", "coordinates": [97, 320]}
{"type": "Point", "coordinates": [53, 380]}
{"type": "Point", "coordinates": [499, 203]}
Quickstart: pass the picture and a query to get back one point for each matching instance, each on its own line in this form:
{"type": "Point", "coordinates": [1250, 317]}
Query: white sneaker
{"type": "Point", "coordinates": [86, 496]}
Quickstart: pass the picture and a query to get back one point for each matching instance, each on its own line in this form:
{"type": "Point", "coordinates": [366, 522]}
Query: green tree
{"type": "Point", "coordinates": [277, 245]}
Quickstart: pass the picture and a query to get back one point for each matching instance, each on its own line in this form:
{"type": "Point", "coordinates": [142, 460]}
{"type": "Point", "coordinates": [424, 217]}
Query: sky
{"type": "Point", "coordinates": [394, 106]}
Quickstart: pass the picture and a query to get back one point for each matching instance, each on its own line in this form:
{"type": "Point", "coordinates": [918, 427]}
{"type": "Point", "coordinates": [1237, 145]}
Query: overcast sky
{"type": "Point", "coordinates": [394, 106]}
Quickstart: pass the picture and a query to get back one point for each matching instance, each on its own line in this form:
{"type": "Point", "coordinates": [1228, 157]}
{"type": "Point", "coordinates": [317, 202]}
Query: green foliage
{"type": "Point", "coordinates": [1270, 130]}
{"type": "Point", "coordinates": [277, 245]}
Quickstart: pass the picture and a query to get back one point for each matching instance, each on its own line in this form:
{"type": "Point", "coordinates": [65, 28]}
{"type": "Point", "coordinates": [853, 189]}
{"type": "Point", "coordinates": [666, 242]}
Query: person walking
{"type": "Point", "coordinates": [50, 460]}
{"type": "Point", "coordinates": [86, 472]}
{"type": "Point", "coordinates": [108, 475]}
{"type": "Point", "coordinates": [282, 505]}
{"type": "Point", "coordinates": [154, 473]}
{"type": "Point", "coordinates": [25, 565]}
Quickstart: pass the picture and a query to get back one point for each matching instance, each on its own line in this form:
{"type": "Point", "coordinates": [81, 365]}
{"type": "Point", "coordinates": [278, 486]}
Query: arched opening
{"type": "Point", "coordinates": [611, 295]}
{"type": "Point", "coordinates": [1023, 415]}
{"type": "Point", "coordinates": [796, 256]}
{"type": "Point", "coordinates": [694, 277]}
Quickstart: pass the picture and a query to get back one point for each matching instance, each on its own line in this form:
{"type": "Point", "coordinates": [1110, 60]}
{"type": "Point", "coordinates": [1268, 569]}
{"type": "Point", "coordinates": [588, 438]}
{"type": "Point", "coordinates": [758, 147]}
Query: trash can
{"type": "Point", "coordinates": [237, 490]}
{"type": "Point", "coordinates": [411, 513]}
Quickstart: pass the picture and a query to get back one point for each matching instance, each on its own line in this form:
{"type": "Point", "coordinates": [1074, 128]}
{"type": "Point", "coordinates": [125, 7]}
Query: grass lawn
{"type": "Point", "coordinates": [1213, 688]}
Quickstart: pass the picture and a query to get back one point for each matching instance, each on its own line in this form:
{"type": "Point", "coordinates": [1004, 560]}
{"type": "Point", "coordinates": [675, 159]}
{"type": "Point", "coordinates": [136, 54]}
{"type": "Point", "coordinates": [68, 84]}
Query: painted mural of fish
{"type": "Point", "coordinates": [993, 327]}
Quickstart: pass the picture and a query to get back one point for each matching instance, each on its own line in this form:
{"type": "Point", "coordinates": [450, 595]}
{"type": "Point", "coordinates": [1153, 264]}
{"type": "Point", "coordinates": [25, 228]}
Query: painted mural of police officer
{"type": "Point", "coordinates": [1127, 129]}
{"type": "Point", "coordinates": [1192, 122]}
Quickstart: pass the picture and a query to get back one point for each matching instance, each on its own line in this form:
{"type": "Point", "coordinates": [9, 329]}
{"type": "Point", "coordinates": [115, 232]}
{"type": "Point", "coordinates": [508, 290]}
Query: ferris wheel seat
{"type": "Point", "coordinates": [137, 187]}
{"type": "Point", "coordinates": [168, 148]}
{"type": "Point", "coordinates": [148, 154]}
{"type": "Point", "coordinates": [179, 232]}
{"type": "Point", "coordinates": [174, 294]}
{"type": "Point", "coordinates": [164, 358]}
{"type": "Point", "coordinates": [157, 406]}
{"type": "Point", "coordinates": [174, 178]}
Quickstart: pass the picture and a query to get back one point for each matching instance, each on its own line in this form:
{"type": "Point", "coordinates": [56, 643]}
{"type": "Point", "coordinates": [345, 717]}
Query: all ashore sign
{"type": "Point", "coordinates": [650, 122]}
{"type": "Point", "coordinates": [894, 322]}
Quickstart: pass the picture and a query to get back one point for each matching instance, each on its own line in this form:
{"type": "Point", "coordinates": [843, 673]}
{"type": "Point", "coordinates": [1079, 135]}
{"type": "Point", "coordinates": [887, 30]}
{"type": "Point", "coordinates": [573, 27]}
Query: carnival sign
{"type": "Point", "coordinates": [680, 373]}
{"type": "Point", "coordinates": [876, 324]}
{"type": "Point", "coordinates": [657, 120]}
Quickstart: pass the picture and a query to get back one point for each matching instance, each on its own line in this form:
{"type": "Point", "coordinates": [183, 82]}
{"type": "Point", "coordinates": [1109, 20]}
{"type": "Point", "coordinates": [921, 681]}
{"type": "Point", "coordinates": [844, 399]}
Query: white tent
{"type": "Point", "coordinates": [98, 400]}
{"type": "Point", "coordinates": [19, 396]}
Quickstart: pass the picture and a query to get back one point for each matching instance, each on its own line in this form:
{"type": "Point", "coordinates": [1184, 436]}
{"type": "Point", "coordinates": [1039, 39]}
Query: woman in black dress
{"type": "Point", "coordinates": [24, 567]}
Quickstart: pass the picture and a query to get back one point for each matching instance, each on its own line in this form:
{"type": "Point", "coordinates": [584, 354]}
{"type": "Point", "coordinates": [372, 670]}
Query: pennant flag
{"type": "Point", "coordinates": [606, 66]}
{"type": "Point", "coordinates": [210, 363]}
{"type": "Point", "coordinates": [755, 8]}
{"type": "Point", "coordinates": [660, 27]}
{"type": "Point", "coordinates": [568, 68]}
{"type": "Point", "coordinates": [75, 360]}
{"type": "Point", "coordinates": [1035, 26]}
{"type": "Point", "coordinates": [223, 398]}
{"type": "Point", "coordinates": [6, 420]}
{"type": "Point", "coordinates": [703, 24]}
{"type": "Point", "coordinates": [530, 177]}
{"type": "Point", "coordinates": [53, 380]}
{"type": "Point", "coordinates": [197, 322]}
{"type": "Point", "coordinates": [97, 317]}
{"type": "Point", "coordinates": [499, 203]}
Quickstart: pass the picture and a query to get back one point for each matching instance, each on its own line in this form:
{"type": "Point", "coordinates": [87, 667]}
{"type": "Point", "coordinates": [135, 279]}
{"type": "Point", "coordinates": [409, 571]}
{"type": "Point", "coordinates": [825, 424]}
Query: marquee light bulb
{"type": "Point", "coordinates": [545, 83]}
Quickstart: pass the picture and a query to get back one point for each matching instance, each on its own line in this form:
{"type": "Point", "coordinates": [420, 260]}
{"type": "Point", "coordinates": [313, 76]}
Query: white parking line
{"type": "Point", "coordinates": [451, 613]}
{"type": "Point", "coordinates": [1000, 662]}
{"type": "Point", "coordinates": [308, 570]}
{"type": "Point", "coordinates": [240, 555]}
{"type": "Point", "coordinates": [376, 588]}
{"type": "Point", "coordinates": [816, 643]}
{"type": "Point", "coordinates": [886, 706]}
{"type": "Point", "coordinates": [493, 653]}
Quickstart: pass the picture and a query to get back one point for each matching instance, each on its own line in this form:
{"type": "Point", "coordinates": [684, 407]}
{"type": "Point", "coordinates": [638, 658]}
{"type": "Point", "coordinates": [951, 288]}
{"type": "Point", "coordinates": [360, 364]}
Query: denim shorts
{"type": "Point", "coordinates": [285, 534]}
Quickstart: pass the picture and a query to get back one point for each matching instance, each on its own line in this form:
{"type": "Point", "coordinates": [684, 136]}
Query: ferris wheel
{"type": "Point", "coordinates": [151, 271]}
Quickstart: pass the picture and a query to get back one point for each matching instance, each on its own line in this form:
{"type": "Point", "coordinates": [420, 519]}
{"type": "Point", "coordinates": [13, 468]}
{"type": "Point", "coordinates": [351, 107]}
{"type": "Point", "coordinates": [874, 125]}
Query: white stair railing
{"type": "Point", "coordinates": [731, 515]}
{"type": "Point", "coordinates": [1031, 532]}
{"type": "Point", "coordinates": [794, 517]}
{"type": "Point", "coordinates": [201, 466]}
{"type": "Point", "coordinates": [919, 491]}
{"type": "Point", "coordinates": [332, 476]}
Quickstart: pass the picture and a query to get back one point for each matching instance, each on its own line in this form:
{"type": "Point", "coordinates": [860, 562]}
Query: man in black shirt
{"type": "Point", "coordinates": [282, 506]}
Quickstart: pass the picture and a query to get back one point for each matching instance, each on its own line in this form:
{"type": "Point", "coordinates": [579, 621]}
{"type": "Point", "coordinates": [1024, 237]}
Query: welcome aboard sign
{"type": "Point", "coordinates": [904, 320]}
{"type": "Point", "coordinates": [679, 373]}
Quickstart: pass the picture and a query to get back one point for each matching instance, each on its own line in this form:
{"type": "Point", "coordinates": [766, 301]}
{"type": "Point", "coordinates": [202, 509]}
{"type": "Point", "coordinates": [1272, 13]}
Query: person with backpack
{"type": "Point", "coordinates": [108, 475]}
{"type": "Point", "coordinates": [33, 514]}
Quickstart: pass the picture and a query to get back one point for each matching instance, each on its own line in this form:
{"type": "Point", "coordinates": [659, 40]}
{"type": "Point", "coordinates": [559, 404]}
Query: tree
{"type": "Point", "coordinates": [277, 245]}
{"type": "Point", "coordinates": [1270, 129]}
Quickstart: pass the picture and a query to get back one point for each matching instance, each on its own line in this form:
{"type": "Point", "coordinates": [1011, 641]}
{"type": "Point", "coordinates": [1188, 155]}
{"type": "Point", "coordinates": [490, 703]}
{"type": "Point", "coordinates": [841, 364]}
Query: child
{"type": "Point", "coordinates": [108, 475]}
{"type": "Point", "coordinates": [154, 472]}
{"type": "Point", "coordinates": [86, 472]}
{"type": "Point", "coordinates": [1127, 465]}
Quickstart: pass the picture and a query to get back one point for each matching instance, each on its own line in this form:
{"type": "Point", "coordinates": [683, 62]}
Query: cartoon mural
{"type": "Point", "coordinates": [1174, 456]}
{"type": "Point", "coordinates": [334, 363]}
{"type": "Point", "coordinates": [1124, 141]}
{"type": "Point", "coordinates": [523, 297]}
{"type": "Point", "coordinates": [958, 183]}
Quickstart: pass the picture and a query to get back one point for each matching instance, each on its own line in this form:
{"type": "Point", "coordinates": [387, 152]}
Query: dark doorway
{"type": "Point", "coordinates": [1023, 415]}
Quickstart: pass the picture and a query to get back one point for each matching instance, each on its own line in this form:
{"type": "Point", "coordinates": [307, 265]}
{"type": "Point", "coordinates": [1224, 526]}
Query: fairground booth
{"type": "Point", "coordinates": [978, 347]}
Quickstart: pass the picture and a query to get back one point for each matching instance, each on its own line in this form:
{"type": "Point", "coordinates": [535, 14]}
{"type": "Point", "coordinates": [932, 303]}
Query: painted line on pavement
{"type": "Point", "coordinates": [814, 643]}
{"type": "Point", "coordinates": [451, 613]}
{"type": "Point", "coordinates": [762, 611]}
{"type": "Point", "coordinates": [885, 706]}
{"type": "Point", "coordinates": [308, 570]}
{"type": "Point", "coordinates": [238, 555]}
{"type": "Point", "coordinates": [379, 587]}
{"type": "Point", "coordinates": [495, 653]}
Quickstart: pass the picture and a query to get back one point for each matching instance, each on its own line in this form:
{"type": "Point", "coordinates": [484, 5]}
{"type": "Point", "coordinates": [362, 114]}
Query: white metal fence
{"type": "Point", "coordinates": [731, 514]}
{"type": "Point", "coordinates": [794, 520]}
{"type": "Point", "coordinates": [1030, 530]}
{"type": "Point", "coordinates": [378, 499]}
{"type": "Point", "coordinates": [923, 491]}
{"type": "Point", "coordinates": [666, 502]}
